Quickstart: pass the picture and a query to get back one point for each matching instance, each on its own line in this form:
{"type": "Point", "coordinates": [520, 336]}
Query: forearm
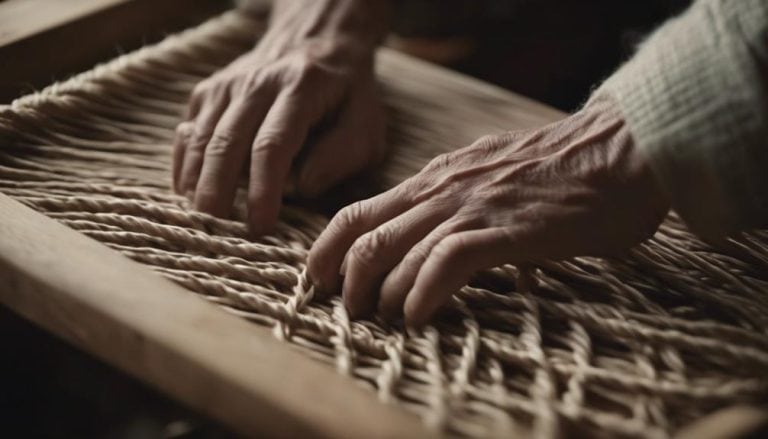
{"type": "Point", "coordinates": [695, 98]}
{"type": "Point", "coordinates": [364, 22]}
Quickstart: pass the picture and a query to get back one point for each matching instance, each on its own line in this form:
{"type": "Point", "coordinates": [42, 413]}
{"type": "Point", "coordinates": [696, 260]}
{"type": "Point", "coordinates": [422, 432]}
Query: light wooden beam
{"type": "Point", "coordinates": [42, 41]}
{"type": "Point", "coordinates": [217, 363]}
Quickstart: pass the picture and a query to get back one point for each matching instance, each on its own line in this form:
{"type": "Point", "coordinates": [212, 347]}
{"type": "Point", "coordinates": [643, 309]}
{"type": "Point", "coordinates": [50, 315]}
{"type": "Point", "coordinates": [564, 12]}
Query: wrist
{"type": "Point", "coordinates": [359, 23]}
{"type": "Point", "coordinates": [623, 154]}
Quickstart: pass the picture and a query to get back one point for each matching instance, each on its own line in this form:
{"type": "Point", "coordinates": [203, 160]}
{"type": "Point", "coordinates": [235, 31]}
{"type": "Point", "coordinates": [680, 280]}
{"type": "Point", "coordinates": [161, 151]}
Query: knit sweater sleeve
{"type": "Point", "coordinates": [695, 100]}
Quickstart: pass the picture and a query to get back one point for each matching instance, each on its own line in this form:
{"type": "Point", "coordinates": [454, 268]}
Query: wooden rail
{"type": "Point", "coordinates": [46, 40]}
{"type": "Point", "coordinates": [217, 363]}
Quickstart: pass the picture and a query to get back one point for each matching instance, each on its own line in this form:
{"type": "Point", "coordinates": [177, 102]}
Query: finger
{"type": "Point", "coordinates": [358, 136]}
{"type": "Point", "coordinates": [197, 99]}
{"type": "Point", "coordinates": [454, 260]}
{"type": "Point", "coordinates": [277, 142]}
{"type": "Point", "coordinates": [400, 280]}
{"type": "Point", "coordinates": [375, 253]}
{"type": "Point", "coordinates": [180, 141]}
{"type": "Point", "coordinates": [347, 225]}
{"type": "Point", "coordinates": [225, 153]}
{"type": "Point", "coordinates": [204, 124]}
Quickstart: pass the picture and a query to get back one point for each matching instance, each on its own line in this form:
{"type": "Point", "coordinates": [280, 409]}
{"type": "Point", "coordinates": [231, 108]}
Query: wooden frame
{"type": "Point", "coordinates": [151, 328]}
{"type": "Point", "coordinates": [46, 40]}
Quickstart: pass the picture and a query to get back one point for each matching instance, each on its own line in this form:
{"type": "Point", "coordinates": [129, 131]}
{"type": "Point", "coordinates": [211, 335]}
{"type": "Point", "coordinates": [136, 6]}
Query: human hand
{"type": "Point", "coordinates": [314, 64]}
{"type": "Point", "coordinates": [575, 187]}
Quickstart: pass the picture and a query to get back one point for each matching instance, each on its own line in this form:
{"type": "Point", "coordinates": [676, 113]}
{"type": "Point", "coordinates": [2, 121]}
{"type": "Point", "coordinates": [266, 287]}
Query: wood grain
{"type": "Point", "coordinates": [217, 363]}
{"type": "Point", "coordinates": [42, 41]}
{"type": "Point", "coordinates": [20, 19]}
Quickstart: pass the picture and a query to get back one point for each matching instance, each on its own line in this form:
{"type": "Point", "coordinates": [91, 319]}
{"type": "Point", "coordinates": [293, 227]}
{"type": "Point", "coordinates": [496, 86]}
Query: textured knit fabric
{"type": "Point", "coordinates": [694, 97]}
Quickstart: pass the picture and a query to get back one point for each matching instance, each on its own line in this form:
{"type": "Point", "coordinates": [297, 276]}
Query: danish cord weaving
{"type": "Point", "coordinates": [631, 346]}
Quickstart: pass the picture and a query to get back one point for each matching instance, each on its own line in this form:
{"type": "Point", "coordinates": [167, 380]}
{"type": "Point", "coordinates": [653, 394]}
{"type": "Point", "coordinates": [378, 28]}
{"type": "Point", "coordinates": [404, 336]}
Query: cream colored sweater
{"type": "Point", "coordinates": [695, 97]}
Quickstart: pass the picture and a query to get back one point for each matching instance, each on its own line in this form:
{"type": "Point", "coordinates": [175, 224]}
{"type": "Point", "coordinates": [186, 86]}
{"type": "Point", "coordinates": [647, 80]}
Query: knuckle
{"type": "Point", "coordinates": [414, 259]}
{"type": "Point", "coordinates": [199, 138]}
{"type": "Point", "coordinates": [352, 214]}
{"type": "Point", "coordinates": [440, 162]}
{"type": "Point", "coordinates": [408, 190]}
{"type": "Point", "coordinates": [487, 140]}
{"type": "Point", "coordinates": [201, 89]}
{"type": "Point", "coordinates": [365, 250]}
{"type": "Point", "coordinates": [308, 70]}
{"type": "Point", "coordinates": [219, 144]}
{"type": "Point", "coordinates": [184, 129]}
{"type": "Point", "coordinates": [254, 82]}
{"type": "Point", "coordinates": [378, 239]}
{"type": "Point", "coordinates": [450, 248]}
{"type": "Point", "coordinates": [467, 219]}
{"type": "Point", "coordinates": [266, 145]}
{"type": "Point", "coordinates": [485, 146]}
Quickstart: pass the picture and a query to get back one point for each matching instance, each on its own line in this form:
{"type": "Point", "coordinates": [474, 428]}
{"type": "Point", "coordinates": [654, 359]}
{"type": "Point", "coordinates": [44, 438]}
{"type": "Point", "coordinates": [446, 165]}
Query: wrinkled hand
{"type": "Point", "coordinates": [312, 66]}
{"type": "Point", "coordinates": [575, 187]}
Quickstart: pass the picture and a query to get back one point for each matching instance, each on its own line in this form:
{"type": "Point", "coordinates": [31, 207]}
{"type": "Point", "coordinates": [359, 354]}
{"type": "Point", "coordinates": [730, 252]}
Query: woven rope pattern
{"type": "Point", "coordinates": [636, 346]}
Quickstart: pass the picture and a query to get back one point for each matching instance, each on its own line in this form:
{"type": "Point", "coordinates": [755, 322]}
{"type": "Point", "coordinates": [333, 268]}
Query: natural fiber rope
{"type": "Point", "coordinates": [636, 346]}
